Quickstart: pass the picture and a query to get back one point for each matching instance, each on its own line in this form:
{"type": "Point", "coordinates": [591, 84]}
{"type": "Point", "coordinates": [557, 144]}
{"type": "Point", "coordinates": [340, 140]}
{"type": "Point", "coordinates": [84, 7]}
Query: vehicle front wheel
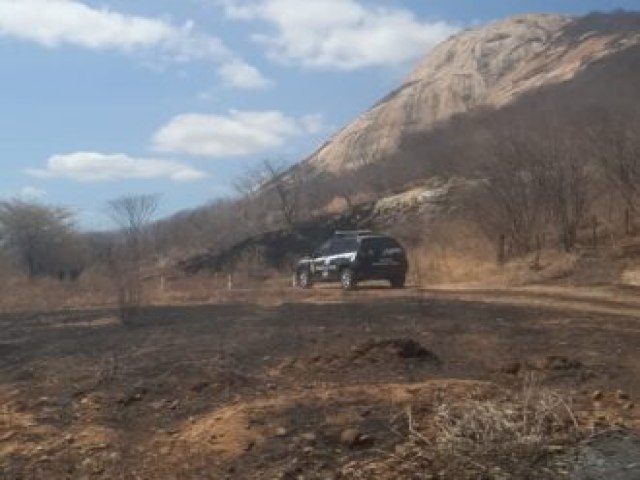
{"type": "Point", "coordinates": [303, 279]}
{"type": "Point", "coordinates": [347, 279]}
{"type": "Point", "coordinates": [397, 282]}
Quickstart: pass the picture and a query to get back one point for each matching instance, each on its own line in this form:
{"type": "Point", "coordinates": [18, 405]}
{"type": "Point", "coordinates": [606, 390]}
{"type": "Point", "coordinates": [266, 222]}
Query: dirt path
{"type": "Point", "coordinates": [612, 301]}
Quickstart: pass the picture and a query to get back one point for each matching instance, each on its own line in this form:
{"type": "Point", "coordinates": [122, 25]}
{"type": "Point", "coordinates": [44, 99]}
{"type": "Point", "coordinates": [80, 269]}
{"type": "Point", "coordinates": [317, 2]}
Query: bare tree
{"type": "Point", "coordinates": [533, 183]}
{"type": "Point", "coordinates": [568, 182]}
{"type": "Point", "coordinates": [511, 201]}
{"type": "Point", "coordinates": [615, 144]}
{"type": "Point", "coordinates": [42, 238]}
{"type": "Point", "coordinates": [273, 178]}
{"type": "Point", "coordinates": [132, 214]}
{"type": "Point", "coordinates": [287, 185]}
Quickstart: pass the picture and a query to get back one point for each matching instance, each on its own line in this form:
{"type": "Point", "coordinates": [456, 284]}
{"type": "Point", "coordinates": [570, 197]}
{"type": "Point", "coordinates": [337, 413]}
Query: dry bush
{"type": "Point", "coordinates": [453, 252]}
{"type": "Point", "coordinates": [440, 265]}
{"type": "Point", "coordinates": [21, 293]}
{"type": "Point", "coordinates": [508, 438]}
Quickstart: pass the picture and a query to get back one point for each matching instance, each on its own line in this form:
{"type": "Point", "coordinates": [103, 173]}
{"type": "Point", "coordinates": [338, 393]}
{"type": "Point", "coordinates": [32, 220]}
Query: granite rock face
{"type": "Point", "coordinates": [484, 67]}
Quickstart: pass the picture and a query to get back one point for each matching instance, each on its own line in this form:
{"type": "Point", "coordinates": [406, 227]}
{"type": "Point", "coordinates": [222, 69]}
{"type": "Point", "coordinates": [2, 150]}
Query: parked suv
{"type": "Point", "coordinates": [353, 256]}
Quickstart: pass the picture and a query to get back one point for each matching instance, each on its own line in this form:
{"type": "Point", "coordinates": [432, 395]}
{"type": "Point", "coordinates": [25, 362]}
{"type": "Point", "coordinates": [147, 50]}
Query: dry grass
{"type": "Point", "coordinates": [510, 437]}
{"type": "Point", "coordinates": [96, 289]}
{"type": "Point", "coordinates": [20, 293]}
{"type": "Point", "coordinates": [435, 265]}
{"type": "Point", "coordinates": [479, 428]}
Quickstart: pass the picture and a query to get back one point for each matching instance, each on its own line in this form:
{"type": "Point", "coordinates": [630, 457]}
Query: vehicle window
{"type": "Point", "coordinates": [379, 244]}
{"type": "Point", "coordinates": [324, 250]}
{"type": "Point", "coordinates": [344, 245]}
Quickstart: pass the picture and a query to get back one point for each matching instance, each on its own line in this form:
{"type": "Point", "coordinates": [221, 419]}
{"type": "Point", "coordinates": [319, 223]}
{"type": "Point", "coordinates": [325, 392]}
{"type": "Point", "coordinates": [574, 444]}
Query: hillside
{"type": "Point", "coordinates": [485, 67]}
{"type": "Point", "coordinates": [544, 95]}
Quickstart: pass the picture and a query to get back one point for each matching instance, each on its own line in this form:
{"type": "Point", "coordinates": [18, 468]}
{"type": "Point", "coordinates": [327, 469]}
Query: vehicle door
{"type": "Point", "coordinates": [343, 253]}
{"type": "Point", "coordinates": [319, 261]}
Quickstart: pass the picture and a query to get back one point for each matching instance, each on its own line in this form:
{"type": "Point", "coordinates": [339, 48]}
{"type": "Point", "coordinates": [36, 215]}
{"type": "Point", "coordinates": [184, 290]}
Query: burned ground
{"type": "Point", "coordinates": [315, 388]}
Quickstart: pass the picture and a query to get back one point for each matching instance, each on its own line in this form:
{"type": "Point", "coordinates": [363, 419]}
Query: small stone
{"type": "Point", "coordinates": [309, 437]}
{"type": "Point", "coordinates": [629, 406]}
{"type": "Point", "coordinates": [349, 437]}
{"type": "Point", "coordinates": [352, 437]}
{"type": "Point", "coordinates": [7, 436]}
{"type": "Point", "coordinates": [200, 386]}
{"type": "Point", "coordinates": [511, 368]}
{"type": "Point", "coordinates": [597, 395]}
{"type": "Point", "coordinates": [555, 448]}
{"type": "Point", "coordinates": [621, 395]}
{"type": "Point", "coordinates": [281, 432]}
{"type": "Point", "coordinates": [402, 450]}
{"type": "Point", "coordinates": [114, 456]}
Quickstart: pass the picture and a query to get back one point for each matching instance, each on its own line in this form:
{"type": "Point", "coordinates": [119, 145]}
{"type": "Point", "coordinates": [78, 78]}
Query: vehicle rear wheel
{"type": "Point", "coordinates": [303, 279]}
{"type": "Point", "coordinates": [397, 282]}
{"type": "Point", "coordinates": [347, 279]}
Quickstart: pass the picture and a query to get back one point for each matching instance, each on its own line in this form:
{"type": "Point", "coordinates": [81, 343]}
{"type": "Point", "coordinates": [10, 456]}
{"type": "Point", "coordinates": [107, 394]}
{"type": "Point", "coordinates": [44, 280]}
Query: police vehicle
{"type": "Point", "coordinates": [350, 257]}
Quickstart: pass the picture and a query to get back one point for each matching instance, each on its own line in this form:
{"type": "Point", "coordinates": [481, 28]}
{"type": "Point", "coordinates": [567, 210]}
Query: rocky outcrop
{"type": "Point", "coordinates": [485, 67]}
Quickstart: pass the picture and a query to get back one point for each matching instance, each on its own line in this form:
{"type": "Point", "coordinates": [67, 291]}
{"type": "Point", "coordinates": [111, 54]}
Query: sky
{"type": "Point", "coordinates": [104, 98]}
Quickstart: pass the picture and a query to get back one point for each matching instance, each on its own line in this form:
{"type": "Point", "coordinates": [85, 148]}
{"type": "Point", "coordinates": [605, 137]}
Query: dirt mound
{"type": "Point", "coordinates": [378, 358]}
{"type": "Point", "coordinates": [553, 367]}
{"type": "Point", "coordinates": [404, 348]}
{"type": "Point", "coordinates": [556, 363]}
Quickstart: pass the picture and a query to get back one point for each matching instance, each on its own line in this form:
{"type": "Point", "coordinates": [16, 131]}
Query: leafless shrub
{"type": "Point", "coordinates": [615, 145]}
{"type": "Point", "coordinates": [132, 214]}
{"type": "Point", "coordinates": [533, 185]}
{"type": "Point", "coordinates": [276, 180]}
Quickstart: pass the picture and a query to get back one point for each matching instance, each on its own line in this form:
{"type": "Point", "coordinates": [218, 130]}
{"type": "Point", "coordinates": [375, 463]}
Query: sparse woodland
{"type": "Point", "coordinates": [557, 170]}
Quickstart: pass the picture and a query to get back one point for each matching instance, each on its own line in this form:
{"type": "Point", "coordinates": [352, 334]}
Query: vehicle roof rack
{"type": "Point", "coordinates": [351, 233]}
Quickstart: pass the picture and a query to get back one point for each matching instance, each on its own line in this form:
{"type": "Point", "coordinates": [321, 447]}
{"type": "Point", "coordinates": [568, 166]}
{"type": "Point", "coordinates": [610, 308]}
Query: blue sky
{"type": "Point", "coordinates": [111, 97]}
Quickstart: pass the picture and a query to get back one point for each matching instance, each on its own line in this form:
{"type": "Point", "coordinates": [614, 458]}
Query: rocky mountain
{"type": "Point", "coordinates": [486, 67]}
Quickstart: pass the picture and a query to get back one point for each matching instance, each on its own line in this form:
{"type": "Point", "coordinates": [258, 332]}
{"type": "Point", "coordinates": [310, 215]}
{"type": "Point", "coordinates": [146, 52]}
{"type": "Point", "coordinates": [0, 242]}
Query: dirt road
{"type": "Point", "coordinates": [261, 387]}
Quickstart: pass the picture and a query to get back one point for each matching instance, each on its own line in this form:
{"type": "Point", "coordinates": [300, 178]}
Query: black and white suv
{"type": "Point", "coordinates": [353, 256]}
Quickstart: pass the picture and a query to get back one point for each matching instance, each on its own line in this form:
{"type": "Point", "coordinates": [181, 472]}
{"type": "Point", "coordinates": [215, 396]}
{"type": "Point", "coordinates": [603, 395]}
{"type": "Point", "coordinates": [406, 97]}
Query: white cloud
{"type": "Point", "coordinates": [313, 123]}
{"type": "Point", "coordinates": [55, 23]}
{"type": "Point", "coordinates": [32, 193]}
{"type": "Point", "coordinates": [240, 74]}
{"type": "Point", "coordinates": [339, 34]}
{"type": "Point", "coordinates": [97, 167]}
{"type": "Point", "coordinates": [238, 133]}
